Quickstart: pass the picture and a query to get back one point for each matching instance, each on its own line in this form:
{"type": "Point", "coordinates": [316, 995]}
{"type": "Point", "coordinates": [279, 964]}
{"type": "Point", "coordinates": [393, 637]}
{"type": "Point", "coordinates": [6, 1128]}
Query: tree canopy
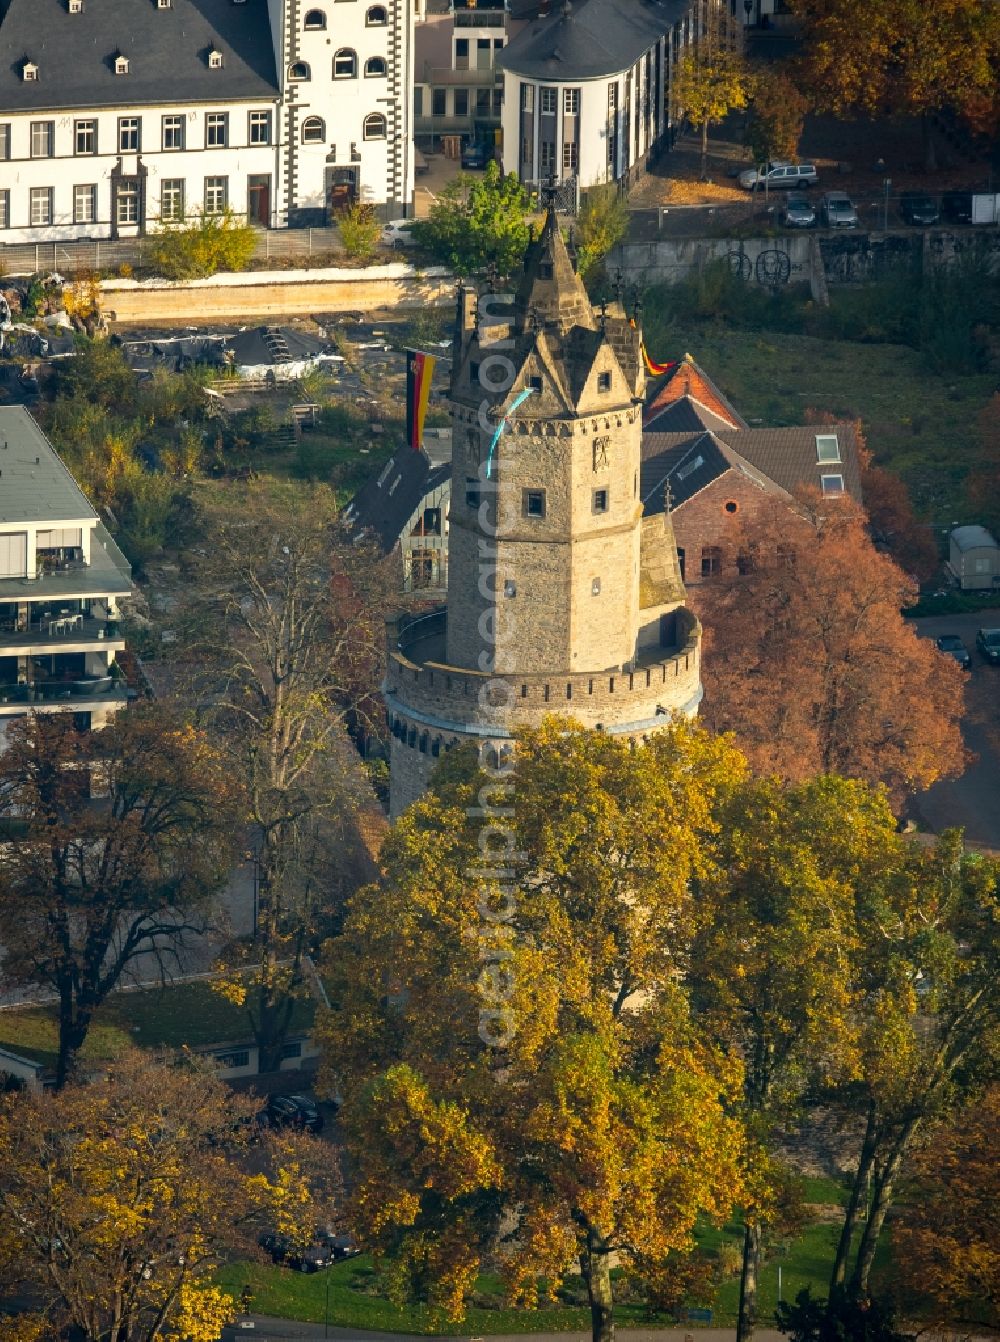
{"type": "Point", "coordinates": [477, 222]}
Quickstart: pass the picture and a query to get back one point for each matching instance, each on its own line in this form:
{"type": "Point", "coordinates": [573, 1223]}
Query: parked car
{"type": "Point", "coordinates": [956, 206]}
{"type": "Point", "coordinates": [396, 233]}
{"type": "Point", "coordinates": [916, 207]}
{"type": "Point", "coordinates": [954, 647]}
{"type": "Point", "coordinates": [311, 1258]}
{"type": "Point", "coordinates": [988, 643]}
{"type": "Point", "coordinates": [341, 1246]}
{"type": "Point", "coordinates": [294, 1111]}
{"type": "Point", "coordinates": [838, 210]}
{"type": "Point", "coordinates": [798, 212]}
{"type": "Point", "coordinates": [779, 175]}
{"type": "Point", "coordinates": [476, 154]}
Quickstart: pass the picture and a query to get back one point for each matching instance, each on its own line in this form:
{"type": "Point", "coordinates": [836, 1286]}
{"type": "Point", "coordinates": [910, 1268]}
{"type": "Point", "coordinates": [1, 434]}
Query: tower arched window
{"type": "Point", "coordinates": [374, 128]}
{"type": "Point", "coordinates": [345, 64]}
{"type": "Point", "coordinates": [315, 20]}
{"type": "Point", "coordinates": [299, 71]}
{"type": "Point", "coordinates": [376, 17]}
{"type": "Point", "coordinates": [313, 130]}
{"type": "Point", "coordinates": [374, 66]}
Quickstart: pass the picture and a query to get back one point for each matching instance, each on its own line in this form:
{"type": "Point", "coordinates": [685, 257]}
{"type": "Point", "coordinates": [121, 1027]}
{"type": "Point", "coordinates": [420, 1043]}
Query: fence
{"type": "Point", "coordinates": [97, 255]}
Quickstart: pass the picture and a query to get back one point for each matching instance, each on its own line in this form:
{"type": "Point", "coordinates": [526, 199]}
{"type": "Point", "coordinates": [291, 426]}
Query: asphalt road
{"type": "Point", "coordinates": [971, 802]}
{"type": "Point", "coordinates": [286, 1330]}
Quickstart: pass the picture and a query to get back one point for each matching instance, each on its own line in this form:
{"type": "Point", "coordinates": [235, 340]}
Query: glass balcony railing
{"type": "Point", "coordinates": [49, 691]}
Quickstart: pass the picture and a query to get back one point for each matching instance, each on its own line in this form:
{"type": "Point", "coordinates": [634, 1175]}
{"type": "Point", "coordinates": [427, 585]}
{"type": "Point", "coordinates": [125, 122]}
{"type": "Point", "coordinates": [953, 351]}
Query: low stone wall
{"type": "Point", "coordinates": [275, 294]}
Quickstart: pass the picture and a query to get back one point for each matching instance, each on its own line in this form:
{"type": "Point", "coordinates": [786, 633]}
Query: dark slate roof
{"type": "Point", "coordinates": [687, 415]}
{"type": "Point", "coordinates": [973, 538]}
{"type": "Point", "coordinates": [788, 456]}
{"type": "Point", "coordinates": [383, 505]}
{"type": "Point", "coordinates": [589, 39]}
{"type": "Point", "coordinates": [268, 345]}
{"type": "Point", "coordinates": [688, 462]}
{"type": "Point", "coordinates": [167, 51]}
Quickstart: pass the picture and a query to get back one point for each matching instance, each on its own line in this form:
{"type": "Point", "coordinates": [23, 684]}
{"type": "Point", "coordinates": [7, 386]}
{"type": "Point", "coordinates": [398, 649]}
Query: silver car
{"type": "Point", "coordinates": [798, 212]}
{"type": "Point", "coordinates": [838, 210]}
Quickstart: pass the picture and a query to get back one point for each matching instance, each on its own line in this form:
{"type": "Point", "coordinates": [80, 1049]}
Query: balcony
{"type": "Point", "coordinates": [108, 573]}
{"type": "Point", "coordinates": [84, 690]}
{"type": "Point", "coordinates": [55, 630]}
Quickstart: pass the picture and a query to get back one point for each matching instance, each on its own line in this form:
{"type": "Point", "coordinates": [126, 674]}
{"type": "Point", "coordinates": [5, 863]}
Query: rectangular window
{"type": "Point", "coordinates": [461, 102]}
{"type": "Point", "coordinates": [43, 134]}
{"type": "Point", "coordinates": [173, 133]}
{"type": "Point", "coordinates": [216, 130]}
{"type": "Point", "coordinates": [172, 199]}
{"type": "Point", "coordinates": [498, 102]}
{"type": "Point", "coordinates": [528, 97]}
{"type": "Point", "coordinates": [482, 102]}
{"type": "Point", "coordinates": [84, 204]}
{"type": "Point", "coordinates": [241, 1058]}
{"type": "Point", "coordinates": [547, 156]}
{"type": "Point", "coordinates": [85, 137]}
{"type": "Point", "coordinates": [612, 97]}
{"type": "Point", "coordinates": [603, 381]}
{"type": "Point", "coordinates": [472, 493]}
{"type": "Point", "coordinates": [461, 53]}
{"type": "Point", "coordinates": [4, 140]}
{"type": "Point", "coordinates": [827, 448]}
{"type": "Point", "coordinates": [711, 561]}
{"type": "Point", "coordinates": [127, 203]}
{"type": "Point", "coordinates": [439, 102]}
{"type": "Point", "coordinates": [569, 156]}
{"type": "Point", "coordinates": [216, 195]}
{"type": "Point", "coordinates": [548, 101]}
{"type": "Point", "coordinates": [600, 501]}
{"type": "Point", "coordinates": [832, 484]}
{"type": "Point", "coordinates": [128, 135]}
{"type": "Point", "coordinates": [534, 503]}
{"type": "Point", "coordinates": [418, 101]}
{"type": "Point", "coordinates": [571, 101]}
{"type": "Point", "coordinates": [260, 128]}
{"type": "Point", "coordinates": [41, 205]}
{"type": "Point", "coordinates": [4, 209]}
{"type": "Point", "coordinates": [291, 1050]}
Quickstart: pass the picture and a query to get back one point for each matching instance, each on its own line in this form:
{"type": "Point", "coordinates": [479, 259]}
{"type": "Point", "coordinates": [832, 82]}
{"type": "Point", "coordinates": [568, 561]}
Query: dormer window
{"type": "Point", "coordinates": [215, 59]}
{"type": "Point", "coordinates": [75, 6]}
{"type": "Point", "coordinates": [164, 4]}
{"type": "Point", "coordinates": [121, 64]}
{"type": "Point", "coordinates": [545, 270]}
{"type": "Point", "coordinates": [29, 72]}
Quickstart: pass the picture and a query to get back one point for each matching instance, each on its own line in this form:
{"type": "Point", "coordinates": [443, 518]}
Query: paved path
{"type": "Point", "coordinates": [287, 1330]}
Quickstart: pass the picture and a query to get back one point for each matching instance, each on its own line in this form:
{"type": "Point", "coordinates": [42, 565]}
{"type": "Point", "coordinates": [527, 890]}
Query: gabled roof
{"type": "Point", "coordinates": [789, 456]}
{"type": "Point", "coordinates": [384, 504]}
{"type": "Point", "coordinates": [589, 39]}
{"type": "Point", "coordinates": [686, 415]}
{"type": "Point", "coordinates": [167, 50]}
{"type": "Point", "coordinates": [687, 463]}
{"type": "Point", "coordinates": [688, 380]}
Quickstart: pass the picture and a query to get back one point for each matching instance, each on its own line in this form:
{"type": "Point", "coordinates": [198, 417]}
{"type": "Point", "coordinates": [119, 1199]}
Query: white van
{"type": "Point", "coordinates": [779, 176]}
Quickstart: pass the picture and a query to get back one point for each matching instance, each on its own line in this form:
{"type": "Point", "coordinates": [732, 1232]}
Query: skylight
{"type": "Point", "coordinates": [827, 448]}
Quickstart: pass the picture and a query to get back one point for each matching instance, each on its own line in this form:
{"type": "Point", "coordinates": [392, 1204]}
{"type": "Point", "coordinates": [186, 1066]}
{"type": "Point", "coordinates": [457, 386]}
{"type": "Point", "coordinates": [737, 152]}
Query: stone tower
{"type": "Point", "coordinates": [562, 596]}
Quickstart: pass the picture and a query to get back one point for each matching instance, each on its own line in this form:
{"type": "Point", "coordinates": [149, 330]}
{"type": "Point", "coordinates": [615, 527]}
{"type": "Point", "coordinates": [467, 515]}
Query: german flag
{"type": "Point", "coordinates": [419, 372]}
{"type": "Point", "coordinates": [655, 369]}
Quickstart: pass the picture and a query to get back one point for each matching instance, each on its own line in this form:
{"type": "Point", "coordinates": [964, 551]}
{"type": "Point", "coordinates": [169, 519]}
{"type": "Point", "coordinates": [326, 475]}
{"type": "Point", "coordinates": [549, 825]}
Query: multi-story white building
{"type": "Point", "coordinates": [61, 579]}
{"type": "Point", "coordinates": [587, 88]}
{"type": "Point", "coordinates": [458, 87]}
{"type": "Point", "coordinates": [116, 115]}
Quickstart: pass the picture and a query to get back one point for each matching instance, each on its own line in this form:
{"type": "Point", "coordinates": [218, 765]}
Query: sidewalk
{"type": "Point", "coordinates": [288, 1330]}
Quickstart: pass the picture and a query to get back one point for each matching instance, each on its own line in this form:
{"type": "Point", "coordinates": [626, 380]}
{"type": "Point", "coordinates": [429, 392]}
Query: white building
{"type": "Point", "coordinates": [117, 114]}
{"type": "Point", "coordinates": [61, 579]}
{"type": "Point", "coordinates": [587, 89]}
{"type": "Point", "coordinates": [458, 87]}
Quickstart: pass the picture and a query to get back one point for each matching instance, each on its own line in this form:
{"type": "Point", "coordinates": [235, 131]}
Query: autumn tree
{"type": "Point", "coordinates": [712, 78]}
{"type": "Point", "coordinates": [895, 524]}
{"type": "Point", "coordinates": [120, 1198]}
{"type": "Point", "coordinates": [777, 114]}
{"type": "Point", "coordinates": [946, 1237]}
{"type": "Point", "coordinates": [523, 1079]}
{"type": "Point", "coordinates": [601, 225]}
{"type": "Point", "coordinates": [288, 628]}
{"type": "Point", "coordinates": [771, 966]}
{"type": "Point", "coordinates": [928, 1011]}
{"type": "Point", "coordinates": [123, 837]}
{"type": "Point", "coordinates": [902, 57]}
{"type": "Point", "coordinates": [809, 661]}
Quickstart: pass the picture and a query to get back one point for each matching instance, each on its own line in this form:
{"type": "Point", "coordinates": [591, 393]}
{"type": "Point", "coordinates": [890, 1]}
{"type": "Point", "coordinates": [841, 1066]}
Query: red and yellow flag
{"type": "Point", "coordinates": [419, 372]}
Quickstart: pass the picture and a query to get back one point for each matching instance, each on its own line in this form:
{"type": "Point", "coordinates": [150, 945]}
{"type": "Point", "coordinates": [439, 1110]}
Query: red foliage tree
{"type": "Point", "coordinates": [809, 661]}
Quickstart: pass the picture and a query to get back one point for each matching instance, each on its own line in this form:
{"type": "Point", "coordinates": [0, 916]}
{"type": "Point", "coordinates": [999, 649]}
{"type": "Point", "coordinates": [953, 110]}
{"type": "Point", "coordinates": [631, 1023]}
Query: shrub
{"type": "Point", "coordinates": [213, 242]}
{"type": "Point", "coordinates": [602, 225]}
{"type": "Point", "coordinates": [360, 230]}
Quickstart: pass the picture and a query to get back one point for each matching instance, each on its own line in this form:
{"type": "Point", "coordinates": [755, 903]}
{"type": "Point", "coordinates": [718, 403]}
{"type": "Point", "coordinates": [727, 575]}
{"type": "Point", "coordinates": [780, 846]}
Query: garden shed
{"type": "Point", "coordinates": [974, 558]}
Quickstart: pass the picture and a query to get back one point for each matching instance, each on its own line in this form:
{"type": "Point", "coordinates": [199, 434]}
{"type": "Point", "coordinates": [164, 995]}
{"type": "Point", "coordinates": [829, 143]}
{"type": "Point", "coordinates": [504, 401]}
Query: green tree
{"type": "Point", "coordinates": [477, 222]}
{"type": "Point", "coordinates": [523, 1078]}
{"type": "Point", "coordinates": [360, 230]}
{"type": "Point", "coordinates": [601, 225]}
{"type": "Point", "coordinates": [712, 79]}
{"type": "Point", "coordinates": [208, 244]}
{"type": "Point", "coordinates": [777, 115]}
{"type": "Point", "coordinates": [92, 884]}
{"type": "Point", "coordinates": [902, 57]}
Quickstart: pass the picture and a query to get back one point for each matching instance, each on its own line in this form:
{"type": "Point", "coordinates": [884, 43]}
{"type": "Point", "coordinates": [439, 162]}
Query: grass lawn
{"type": "Point", "coordinates": [182, 1013]}
{"type": "Point", "coordinates": [354, 1301]}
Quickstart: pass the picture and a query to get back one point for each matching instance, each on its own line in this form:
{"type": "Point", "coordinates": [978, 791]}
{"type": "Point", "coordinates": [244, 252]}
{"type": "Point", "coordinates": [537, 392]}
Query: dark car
{"type": "Point", "coordinates": [918, 208]}
{"type": "Point", "coordinates": [340, 1246]}
{"type": "Point", "coordinates": [476, 154]}
{"type": "Point", "coordinates": [988, 643]}
{"type": "Point", "coordinates": [954, 647]}
{"type": "Point", "coordinates": [798, 212]}
{"type": "Point", "coordinates": [294, 1111]}
{"type": "Point", "coordinates": [956, 206]}
{"type": "Point", "coordinates": [312, 1258]}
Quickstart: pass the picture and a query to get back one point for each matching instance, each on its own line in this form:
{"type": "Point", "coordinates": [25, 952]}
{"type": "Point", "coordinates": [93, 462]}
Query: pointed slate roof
{"type": "Point", "coordinates": [384, 503]}
{"type": "Point", "coordinates": [550, 290]}
{"type": "Point", "coordinates": [688, 380]}
{"type": "Point", "coordinates": [688, 463]}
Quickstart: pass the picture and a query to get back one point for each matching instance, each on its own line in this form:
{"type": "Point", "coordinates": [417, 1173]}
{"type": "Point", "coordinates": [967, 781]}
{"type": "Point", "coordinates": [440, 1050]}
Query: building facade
{"type": "Point", "coordinates": [117, 116]}
{"type": "Point", "coordinates": [587, 89]}
{"type": "Point", "coordinates": [61, 581]}
{"type": "Point", "coordinates": [458, 83]}
{"type": "Point", "coordinates": [578, 606]}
